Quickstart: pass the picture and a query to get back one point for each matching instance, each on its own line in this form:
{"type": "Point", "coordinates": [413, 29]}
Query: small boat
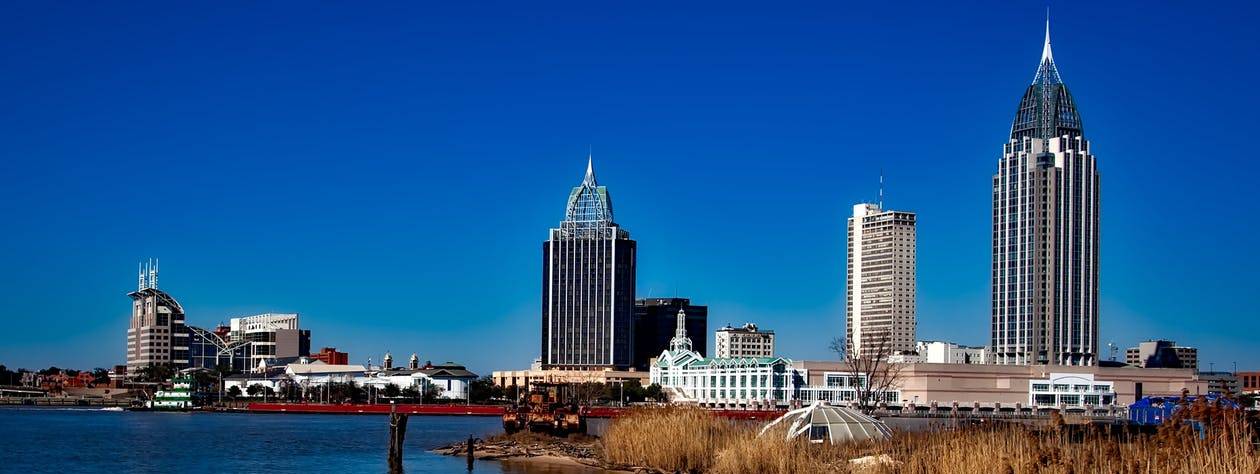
{"type": "Point", "coordinates": [112, 409]}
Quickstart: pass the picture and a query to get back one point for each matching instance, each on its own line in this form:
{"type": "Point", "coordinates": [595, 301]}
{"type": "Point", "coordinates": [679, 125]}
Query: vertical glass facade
{"type": "Point", "coordinates": [588, 284]}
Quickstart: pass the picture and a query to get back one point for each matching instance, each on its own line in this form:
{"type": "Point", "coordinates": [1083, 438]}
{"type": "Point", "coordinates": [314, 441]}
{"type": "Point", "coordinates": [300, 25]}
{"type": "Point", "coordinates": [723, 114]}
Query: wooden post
{"type": "Point", "coordinates": [471, 441]}
{"type": "Point", "coordinates": [397, 433]}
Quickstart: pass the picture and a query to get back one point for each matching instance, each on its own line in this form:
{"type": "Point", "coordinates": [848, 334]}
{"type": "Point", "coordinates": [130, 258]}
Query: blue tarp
{"type": "Point", "coordinates": [1156, 410]}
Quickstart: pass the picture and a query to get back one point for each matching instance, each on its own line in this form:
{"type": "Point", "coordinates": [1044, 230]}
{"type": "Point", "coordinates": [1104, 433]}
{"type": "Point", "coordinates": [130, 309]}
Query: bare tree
{"type": "Point", "coordinates": [876, 375]}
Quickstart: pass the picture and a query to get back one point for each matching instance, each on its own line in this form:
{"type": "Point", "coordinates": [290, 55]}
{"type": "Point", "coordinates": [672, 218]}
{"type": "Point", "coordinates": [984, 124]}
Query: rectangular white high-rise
{"type": "Point", "coordinates": [880, 294]}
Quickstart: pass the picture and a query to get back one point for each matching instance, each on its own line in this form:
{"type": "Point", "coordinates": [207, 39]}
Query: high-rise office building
{"type": "Point", "coordinates": [880, 288]}
{"type": "Point", "coordinates": [588, 284]}
{"type": "Point", "coordinates": [157, 335]}
{"type": "Point", "coordinates": [654, 326]}
{"type": "Point", "coordinates": [1045, 231]}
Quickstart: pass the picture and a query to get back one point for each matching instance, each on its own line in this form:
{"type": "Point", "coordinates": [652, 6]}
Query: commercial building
{"type": "Point", "coordinates": [156, 335]}
{"type": "Point", "coordinates": [588, 284]}
{"type": "Point", "coordinates": [743, 341]}
{"type": "Point", "coordinates": [451, 379]}
{"type": "Point", "coordinates": [1045, 231]}
{"type": "Point", "coordinates": [213, 349]}
{"type": "Point", "coordinates": [330, 355]}
{"type": "Point", "coordinates": [687, 376]}
{"type": "Point", "coordinates": [880, 288]}
{"type": "Point", "coordinates": [654, 326]}
{"type": "Point", "coordinates": [272, 336]}
{"type": "Point", "coordinates": [1156, 354]}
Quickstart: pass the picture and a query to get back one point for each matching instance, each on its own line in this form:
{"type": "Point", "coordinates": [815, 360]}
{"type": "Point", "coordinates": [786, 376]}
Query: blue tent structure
{"type": "Point", "coordinates": [1155, 410]}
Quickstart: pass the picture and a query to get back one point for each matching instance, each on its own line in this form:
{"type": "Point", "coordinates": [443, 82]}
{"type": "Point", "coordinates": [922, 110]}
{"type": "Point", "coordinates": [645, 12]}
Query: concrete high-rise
{"type": "Point", "coordinates": [1045, 231]}
{"type": "Point", "coordinates": [157, 335]}
{"type": "Point", "coordinates": [588, 284]}
{"type": "Point", "coordinates": [880, 289]}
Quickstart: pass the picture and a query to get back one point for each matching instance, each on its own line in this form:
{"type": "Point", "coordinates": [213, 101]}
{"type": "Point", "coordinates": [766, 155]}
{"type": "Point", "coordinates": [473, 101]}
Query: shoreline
{"type": "Point", "coordinates": [582, 452]}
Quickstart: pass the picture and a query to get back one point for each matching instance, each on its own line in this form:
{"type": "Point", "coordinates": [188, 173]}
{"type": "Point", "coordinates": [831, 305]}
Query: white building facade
{"type": "Point", "coordinates": [743, 341]}
{"type": "Point", "coordinates": [880, 288]}
{"type": "Point", "coordinates": [1070, 391]}
{"type": "Point", "coordinates": [271, 336]}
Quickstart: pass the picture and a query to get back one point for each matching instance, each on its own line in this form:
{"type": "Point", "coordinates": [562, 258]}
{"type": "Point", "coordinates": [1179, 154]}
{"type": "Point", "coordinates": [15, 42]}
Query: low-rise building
{"type": "Point", "coordinates": [450, 378]}
{"type": "Point", "coordinates": [744, 341]}
{"type": "Point", "coordinates": [1250, 381]}
{"type": "Point", "coordinates": [1226, 383]}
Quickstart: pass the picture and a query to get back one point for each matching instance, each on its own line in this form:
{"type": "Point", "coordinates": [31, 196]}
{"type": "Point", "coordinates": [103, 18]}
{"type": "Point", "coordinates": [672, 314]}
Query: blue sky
{"type": "Point", "coordinates": [390, 171]}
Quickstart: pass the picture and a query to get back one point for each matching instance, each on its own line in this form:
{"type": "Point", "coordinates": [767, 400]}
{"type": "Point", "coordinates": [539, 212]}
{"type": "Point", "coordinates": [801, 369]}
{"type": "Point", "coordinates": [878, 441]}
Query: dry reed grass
{"type": "Point", "coordinates": [690, 440]}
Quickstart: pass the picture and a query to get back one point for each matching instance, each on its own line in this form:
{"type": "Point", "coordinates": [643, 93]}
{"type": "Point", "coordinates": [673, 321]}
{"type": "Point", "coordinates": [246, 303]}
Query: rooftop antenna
{"type": "Point", "coordinates": [139, 276]}
{"type": "Point", "coordinates": [881, 188]}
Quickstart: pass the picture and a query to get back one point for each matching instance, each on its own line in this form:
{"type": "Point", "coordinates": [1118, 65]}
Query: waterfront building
{"type": "Point", "coordinates": [1045, 231]}
{"type": "Point", "coordinates": [588, 284]}
{"type": "Point", "coordinates": [212, 349]}
{"type": "Point", "coordinates": [272, 336]}
{"type": "Point", "coordinates": [156, 335]}
{"type": "Point", "coordinates": [654, 326]}
{"type": "Point", "coordinates": [1006, 386]}
{"type": "Point", "coordinates": [743, 341]}
{"type": "Point", "coordinates": [880, 287]}
{"type": "Point", "coordinates": [1160, 353]}
{"type": "Point", "coordinates": [1070, 390]}
{"type": "Point", "coordinates": [522, 380]}
{"type": "Point", "coordinates": [686, 376]}
{"type": "Point", "coordinates": [451, 379]}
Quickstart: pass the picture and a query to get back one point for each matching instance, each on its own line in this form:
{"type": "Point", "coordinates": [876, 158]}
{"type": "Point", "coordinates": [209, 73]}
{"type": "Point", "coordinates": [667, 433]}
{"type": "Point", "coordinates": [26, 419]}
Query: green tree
{"type": "Point", "coordinates": [254, 390]}
{"type": "Point", "coordinates": [411, 394]}
{"type": "Point", "coordinates": [391, 390]}
{"type": "Point", "coordinates": [234, 392]}
{"type": "Point", "coordinates": [653, 392]}
{"type": "Point", "coordinates": [484, 390]}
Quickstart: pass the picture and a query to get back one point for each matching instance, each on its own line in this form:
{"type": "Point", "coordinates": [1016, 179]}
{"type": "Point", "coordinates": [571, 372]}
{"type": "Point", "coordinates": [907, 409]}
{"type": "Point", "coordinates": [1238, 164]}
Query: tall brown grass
{"type": "Point", "coordinates": [690, 440]}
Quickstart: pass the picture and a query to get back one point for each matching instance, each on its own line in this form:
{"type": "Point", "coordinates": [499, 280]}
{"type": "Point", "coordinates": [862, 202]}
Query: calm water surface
{"type": "Point", "coordinates": [92, 440]}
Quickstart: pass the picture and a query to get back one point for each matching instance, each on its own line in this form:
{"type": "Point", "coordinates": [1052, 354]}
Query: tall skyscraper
{"type": "Point", "coordinates": [880, 293]}
{"type": "Point", "coordinates": [157, 335]}
{"type": "Point", "coordinates": [654, 327]}
{"type": "Point", "coordinates": [588, 284]}
{"type": "Point", "coordinates": [1045, 231]}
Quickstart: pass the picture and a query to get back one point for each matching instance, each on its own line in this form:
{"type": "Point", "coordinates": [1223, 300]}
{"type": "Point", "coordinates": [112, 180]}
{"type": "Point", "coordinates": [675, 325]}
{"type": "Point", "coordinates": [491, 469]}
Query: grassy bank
{"type": "Point", "coordinates": [690, 440]}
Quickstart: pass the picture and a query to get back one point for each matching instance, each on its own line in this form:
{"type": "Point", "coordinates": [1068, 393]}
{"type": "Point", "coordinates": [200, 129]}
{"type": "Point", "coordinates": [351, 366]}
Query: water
{"type": "Point", "coordinates": [94, 440]}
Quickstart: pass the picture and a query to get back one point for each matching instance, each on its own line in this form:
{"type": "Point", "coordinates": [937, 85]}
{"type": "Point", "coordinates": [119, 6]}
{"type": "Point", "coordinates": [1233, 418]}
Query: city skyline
{"type": "Point", "coordinates": [736, 183]}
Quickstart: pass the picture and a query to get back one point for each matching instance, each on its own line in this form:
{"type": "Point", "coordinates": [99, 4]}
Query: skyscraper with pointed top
{"type": "Point", "coordinates": [1045, 231]}
{"type": "Point", "coordinates": [588, 284]}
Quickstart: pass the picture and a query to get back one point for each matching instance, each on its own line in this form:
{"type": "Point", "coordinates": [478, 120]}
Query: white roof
{"type": "Point", "coordinates": [321, 368]}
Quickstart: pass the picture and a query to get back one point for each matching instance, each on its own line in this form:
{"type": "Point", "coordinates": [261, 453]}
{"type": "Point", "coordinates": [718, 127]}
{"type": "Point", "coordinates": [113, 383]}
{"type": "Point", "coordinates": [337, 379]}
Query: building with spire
{"type": "Point", "coordinates": [588, 284]}
{"type": "Point", "coordinates": [157, 334]}
{"type": "Point", "coordinates": [1045, 231]}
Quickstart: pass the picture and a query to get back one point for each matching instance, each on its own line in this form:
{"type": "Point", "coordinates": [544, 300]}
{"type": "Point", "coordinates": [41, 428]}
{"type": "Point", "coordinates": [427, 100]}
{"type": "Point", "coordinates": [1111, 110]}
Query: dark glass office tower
{"type": "Point", "coordinates": [588, 284]}
{"type": "Point", "coordinates": [655, 321]}
{"type": "Point", "coordinates": [1045, 231]}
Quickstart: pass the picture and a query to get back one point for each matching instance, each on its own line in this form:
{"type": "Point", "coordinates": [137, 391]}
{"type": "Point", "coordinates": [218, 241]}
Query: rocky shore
{"type": "Point", "coordinates": [530, 447]}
